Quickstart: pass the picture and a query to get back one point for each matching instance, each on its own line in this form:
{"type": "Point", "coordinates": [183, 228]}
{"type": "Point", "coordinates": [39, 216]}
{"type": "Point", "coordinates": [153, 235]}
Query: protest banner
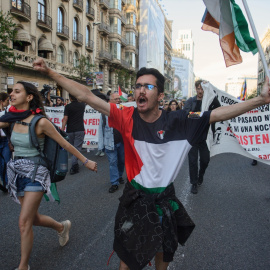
{"type": "Point", "coordinates": [247, 134]}
{"type": "Point", "coordinates": [91, 123]}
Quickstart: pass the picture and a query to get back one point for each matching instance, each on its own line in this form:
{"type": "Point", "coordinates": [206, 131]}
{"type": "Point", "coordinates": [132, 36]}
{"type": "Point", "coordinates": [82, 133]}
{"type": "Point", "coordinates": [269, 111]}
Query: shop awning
{"type": "Point", "coordinates": [23, 36]}
{"type": "Point", "coordinates": [45, 45]}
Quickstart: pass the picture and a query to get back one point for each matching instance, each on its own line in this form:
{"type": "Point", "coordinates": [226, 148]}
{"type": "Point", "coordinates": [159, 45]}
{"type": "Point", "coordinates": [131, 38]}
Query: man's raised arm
{"type": "Point", "coordinates": [228, 112]}
{"type": "Point", "coordinates": [81, 92]}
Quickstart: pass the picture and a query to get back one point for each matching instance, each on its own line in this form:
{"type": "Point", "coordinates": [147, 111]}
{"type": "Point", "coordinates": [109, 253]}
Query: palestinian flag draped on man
{"type": "Point", "coordinates": [226, 19]}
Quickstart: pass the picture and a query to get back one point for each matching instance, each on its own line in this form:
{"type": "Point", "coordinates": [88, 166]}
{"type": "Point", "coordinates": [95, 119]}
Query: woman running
{"type": "Point", "coordinates": [26, 101]}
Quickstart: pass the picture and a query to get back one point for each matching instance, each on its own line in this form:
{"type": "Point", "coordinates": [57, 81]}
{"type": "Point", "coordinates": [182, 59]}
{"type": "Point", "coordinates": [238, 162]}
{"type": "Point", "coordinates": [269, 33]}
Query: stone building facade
{"type": "Point", "coordinates": [61, 31]}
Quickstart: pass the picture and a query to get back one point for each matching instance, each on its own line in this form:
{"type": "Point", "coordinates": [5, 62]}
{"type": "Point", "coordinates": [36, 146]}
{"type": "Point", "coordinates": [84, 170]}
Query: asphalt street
{"type": "Point", "coordinates": [231, 213]}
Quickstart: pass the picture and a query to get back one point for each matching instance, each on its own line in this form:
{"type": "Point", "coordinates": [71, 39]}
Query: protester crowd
{"type": "Point", "coordinates": [118, 130]}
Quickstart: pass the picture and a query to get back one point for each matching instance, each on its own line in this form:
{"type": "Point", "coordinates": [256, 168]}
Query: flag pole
{"type": "Point", "coordinates": [256, 39]}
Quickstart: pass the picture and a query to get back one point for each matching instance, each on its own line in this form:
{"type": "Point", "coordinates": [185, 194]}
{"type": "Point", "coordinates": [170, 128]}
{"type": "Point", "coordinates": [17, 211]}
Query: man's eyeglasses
{"type": "Point", "coordinates": [146, 86]}
{"type": "Point", "coordinates": [116, 99]}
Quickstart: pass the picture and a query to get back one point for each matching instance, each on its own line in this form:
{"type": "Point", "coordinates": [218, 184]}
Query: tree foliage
{"type": "Point", "coordinates": [253, 94]}
{"type": "Point", "coordinates": [7, 33]}
{"type": "Point", "coordinates": [123, 76]}
{"type": "Point", "coordinates": [83, 68]}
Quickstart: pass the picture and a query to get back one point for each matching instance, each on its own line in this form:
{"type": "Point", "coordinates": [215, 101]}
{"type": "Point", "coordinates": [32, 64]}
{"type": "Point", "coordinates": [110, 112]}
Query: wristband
{"type": "Point", "coordinates": [85, 162]}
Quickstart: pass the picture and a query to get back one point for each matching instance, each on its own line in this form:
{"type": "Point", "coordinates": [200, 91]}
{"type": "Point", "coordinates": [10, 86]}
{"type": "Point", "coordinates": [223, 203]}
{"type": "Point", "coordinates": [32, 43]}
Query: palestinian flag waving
{"type": "Point", "coordinates": [122, 95]}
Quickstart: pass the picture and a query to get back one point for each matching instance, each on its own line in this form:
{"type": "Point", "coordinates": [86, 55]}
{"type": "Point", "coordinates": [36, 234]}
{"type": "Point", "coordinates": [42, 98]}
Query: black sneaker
{"type": "Point", "coordinates": [113, 188]}
{"type": "Point", "coordinates": [74, 169]}
{"type": "Point", "coordinates": [194, 189]}
{"type": "Point", "coordinates": [121, 180]}
{"type": "Point", "coordinates": [200, 181]}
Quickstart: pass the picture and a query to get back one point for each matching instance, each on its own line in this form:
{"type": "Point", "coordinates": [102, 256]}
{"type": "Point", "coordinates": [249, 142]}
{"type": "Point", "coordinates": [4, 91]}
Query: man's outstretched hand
{"type": "Point", "coordinates": [265, 93]}
{"type": "Point", "coordinates": [40, 65]}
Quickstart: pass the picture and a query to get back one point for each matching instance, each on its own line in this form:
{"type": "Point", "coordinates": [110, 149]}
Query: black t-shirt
{"type": "Point", "coordinates": [75, 111]}
{"type": "Point", "coordinates": [198, 106]}
{"type": "Point", "coordinates": [117, 137]}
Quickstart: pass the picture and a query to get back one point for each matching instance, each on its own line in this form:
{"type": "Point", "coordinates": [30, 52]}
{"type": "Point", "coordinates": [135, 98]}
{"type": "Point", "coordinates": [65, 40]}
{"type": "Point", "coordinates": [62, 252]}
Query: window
{"type": "Point", "coordinates": [131, 38]}
{"type": "Point", "coordinates": [75, 28]}
{"type": "Point", "coordinates": [60, 19]}
{"type": "Point", "coordinates": [43, 54]}
{"type": "Point", "coordinates": [87, 36]}
{"type": "Point", "coordinates": [42, 6]}
{"type": "Point", "coordinates": [17, 4]}
{"type": "Point", "coordinates": [115, 49]}
{"type": "Point", "coordinates": [115, 25]}
{"type": "Point", "coordinates": [75, 59]}
{"type": "Point", "coordinates": [88, 4]}
{"type": "Point", "coordinates": [101, 16]}
{"type": "Point", "coordinates": [131, 18]}
{"type": "Point", "coordinates": [130, 58]}
{"type": "Point", "coordinates": [61, 55]}
{"type": "Point", "coordinates": [101, 42]}
{"type": "Point", "coordinates": [18, 46]}
{"type": "Point", "coordinates": [116, 4]}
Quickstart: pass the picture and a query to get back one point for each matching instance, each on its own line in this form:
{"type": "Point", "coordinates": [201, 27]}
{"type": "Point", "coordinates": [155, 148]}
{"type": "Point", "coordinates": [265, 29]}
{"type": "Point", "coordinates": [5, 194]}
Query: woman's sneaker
{"type": "Point", "coordinates": [64, 235]}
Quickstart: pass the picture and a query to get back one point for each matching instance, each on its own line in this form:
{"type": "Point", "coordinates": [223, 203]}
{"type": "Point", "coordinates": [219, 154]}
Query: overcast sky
{"type": "Point", "coordinates": [208, 58]}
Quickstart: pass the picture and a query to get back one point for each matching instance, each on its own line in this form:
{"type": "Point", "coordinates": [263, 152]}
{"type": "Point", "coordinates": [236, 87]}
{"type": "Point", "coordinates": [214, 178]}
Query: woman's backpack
{"type": "Point", "coordinates": [54, 156]}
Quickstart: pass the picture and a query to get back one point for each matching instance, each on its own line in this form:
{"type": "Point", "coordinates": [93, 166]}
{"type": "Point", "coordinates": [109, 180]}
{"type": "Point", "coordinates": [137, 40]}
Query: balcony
{"type": "Point", "coordinates": [89, 46]}
{"type": "Point", "coordinates": [125, 64]}
{"type": "Point", "coordinates": [130, 26]}
{"type": "Point", "coordinates": [104, 4]}
{"type": "Point", "coordinates": [78, 4]}
{"type": "Point", "coordinates": [104, 29]}
{"type": "Point", "coordinates": [115, 60]}
{"type": "Point", "coordinates": [77, 39]}
{"type": "Point", "coordinates": [62, 31]}
{"type": "Point", "coordinates": [131, 47]}
{"type": "Point", "coordinates": [22, 11]}
{"type": "Point", "coordinates": [90, 14]}
{"type": "Point", "coordinates": [44, 21]}
{"type": "Point", "coordinates": [114, 36]}
{"type": "Point", "coordinates": [106, 56]}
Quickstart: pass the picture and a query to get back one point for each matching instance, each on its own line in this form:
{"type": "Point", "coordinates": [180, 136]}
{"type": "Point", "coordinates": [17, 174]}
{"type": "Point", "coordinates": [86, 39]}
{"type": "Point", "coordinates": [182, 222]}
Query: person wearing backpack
{"type": "Point", "coordinates": [26, 102]}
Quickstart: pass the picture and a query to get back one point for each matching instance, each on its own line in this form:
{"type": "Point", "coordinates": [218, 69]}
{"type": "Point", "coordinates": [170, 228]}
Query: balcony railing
{"type": "Point", "coordinates": [44, 21]}
{"type": "Point", "coordinates": [62, 30]}
{"type": "Point", "coordinates": [104, 28]}
{"type": "Point", "coordinates": [105, 55]}
{"type": "Point", "coordinates": [125, 64]}
{"type": "Point", "coordinates": [78, 4]}
{"type": "Point", "coordinates": [89, 45]}
{"type": "Point", "coordinates": [90, 13]}
{"type": "Point", "coordinates": [21, 10]}
{"type": "Point", "coordinates": [77, 38]}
